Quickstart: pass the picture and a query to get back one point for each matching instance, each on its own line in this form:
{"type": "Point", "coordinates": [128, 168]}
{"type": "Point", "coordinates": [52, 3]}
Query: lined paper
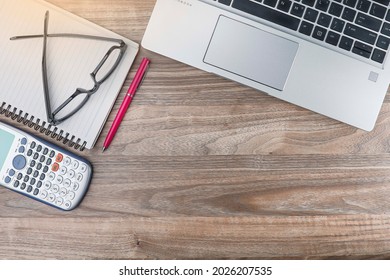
{"type": "Point", "coordinates": [69, 61]}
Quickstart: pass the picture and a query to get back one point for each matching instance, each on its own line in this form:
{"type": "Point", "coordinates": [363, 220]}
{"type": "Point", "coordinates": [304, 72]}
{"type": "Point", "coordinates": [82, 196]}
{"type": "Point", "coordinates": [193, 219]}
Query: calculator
{"type": "Point", "coordinates": [40, 170]}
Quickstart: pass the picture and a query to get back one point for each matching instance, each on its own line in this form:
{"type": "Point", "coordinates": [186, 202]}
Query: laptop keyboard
{"type": "Point", "coordinates": [358, 26]}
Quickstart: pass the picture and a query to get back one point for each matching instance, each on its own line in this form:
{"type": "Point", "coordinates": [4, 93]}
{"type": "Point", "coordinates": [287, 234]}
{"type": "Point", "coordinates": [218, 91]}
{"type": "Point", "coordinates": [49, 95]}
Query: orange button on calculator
{"type": "Point", "coordinates": [55, 167]}
{"type": "Point", "coordinates": [59, 158]}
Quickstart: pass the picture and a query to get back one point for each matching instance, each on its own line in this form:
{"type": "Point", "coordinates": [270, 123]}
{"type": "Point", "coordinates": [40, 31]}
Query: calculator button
{"type": "Point", "coordinates": [36, 174]}
{"type": "Point", "coordinates": [55, 167]}
{"type": "Point", "coordinates": [59, 158]}
{"type": "Point", "coordinates": [75, 186]}
{"type": "Point", "coordinates": [36, 156]}
{"type": "Point", "coordinates": [59, 179]}
{"type": "Point", "coordinates": [23, 186]}
{"type": "Point", "coordinates": [45, 169]}
{"type": "Point", "coordinates": [11, 172]}
{"type": "Point", "coordinates": [19, 162]}
{"type": "Point", "coordinates": [75, 164]}
{"type": "Point", "coordinates": [51, 176]}
{"type": "Point", "coordinates": [29, 189]}
{"type": "Point", "coordinates": [63, 192]}
{"type": "Point", "coordinates": [43, 194]}
{"type": "Point", "coordinates": [42, 177]}
{"type": "Point", "coordinates": [36, 192]}
{"type": "Point", "coordinates": [42, 159]}
{"type": "Point", "coordinates": [33, 144]}
{"type": "Point", "coordinates": [33, 181]}
{"type": "Point", "coordinates": [29, 171]}
{"type": "Point", "coordinates": [67, 204]}
{"type": "Point", "coordinates": [67, 183]}
{"type": "Point", "coordinates": [71, 173]}
{"type": "Point", "coordinates": [39, 184]}
{"type": "Point", "coordinates": [39, 166]}
{"type": "Point", "coordinates": [71, 196]}
{"type": "Point", "coordinates": [16, 184]}
{"type": "Point", "coordinates": [52, 154]}
{"type": "Point", "coordinates": [67, 161]}
{"type": "Point", "coordinates": [26, 178]}
{"type": "Point", "coordinates": [79, 177]}
{"type": "Point", "coordinates": [23, 141]}
{"type": "Point", "coordinates": [22, 149]}
{"type": "Point", "coordinates": [47, 185]}
{"type": "Point", "coordinates": [83, 168]}
{"type": "Point", "coordinates": [45, 151]}
{"type": "Point", "coordinates": [59, 201]}
{"type": "Point", "coordinates": [29, 153]}
{"type": "Point", "coordinates": [39, 148]}
{"type": "Point", "coordinates": [20, 176]}
{"type": "Point", "coordinates": [51, 197]}
{"type": "Point", "coordinates": [55, 189]}
{"type": "Point", "coordinates": [49, 161]}
{"type": "Point", "coordinates": [32, 163]}
{"type": "Point", "coordinates": [63, 170]}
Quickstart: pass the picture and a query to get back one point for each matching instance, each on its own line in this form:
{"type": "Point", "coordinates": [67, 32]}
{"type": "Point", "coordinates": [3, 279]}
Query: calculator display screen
{"type": "Point", "coordinates": [6, 140]}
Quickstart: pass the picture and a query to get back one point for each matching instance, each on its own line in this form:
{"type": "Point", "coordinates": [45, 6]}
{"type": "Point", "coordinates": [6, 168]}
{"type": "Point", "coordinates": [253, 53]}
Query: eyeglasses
{"type": "Point", "coordinates": [80, 96]}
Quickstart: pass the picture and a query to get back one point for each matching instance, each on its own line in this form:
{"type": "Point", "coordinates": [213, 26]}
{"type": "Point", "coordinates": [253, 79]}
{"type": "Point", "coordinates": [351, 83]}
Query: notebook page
{"type": "Point", "coordinates": [69, 61]}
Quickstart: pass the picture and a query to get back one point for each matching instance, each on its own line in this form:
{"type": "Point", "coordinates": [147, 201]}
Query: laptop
{"type": "Point", "coordinates": [330, 57]}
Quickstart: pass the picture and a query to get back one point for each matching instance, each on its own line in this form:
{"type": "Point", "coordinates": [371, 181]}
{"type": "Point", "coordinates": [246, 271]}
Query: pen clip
{"type": "Point", "coordinates": [143, 76]}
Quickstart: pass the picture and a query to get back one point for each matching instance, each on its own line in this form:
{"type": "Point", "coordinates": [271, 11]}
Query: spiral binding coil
{"type": "Point", "coordinates": [41, 126]}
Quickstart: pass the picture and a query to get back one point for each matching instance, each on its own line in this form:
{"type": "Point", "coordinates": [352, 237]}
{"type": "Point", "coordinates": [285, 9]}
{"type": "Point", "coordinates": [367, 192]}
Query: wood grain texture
{"type": "Point", "coordinates": [204, 168]}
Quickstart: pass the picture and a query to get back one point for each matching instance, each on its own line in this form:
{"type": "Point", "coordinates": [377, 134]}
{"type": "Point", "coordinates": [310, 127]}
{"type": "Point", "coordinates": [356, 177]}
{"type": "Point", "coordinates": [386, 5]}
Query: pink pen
{"type": "Point", "coordinates": [138, 78]}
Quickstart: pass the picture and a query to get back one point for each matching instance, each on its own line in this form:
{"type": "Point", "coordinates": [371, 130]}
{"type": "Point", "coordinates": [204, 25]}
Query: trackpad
{"type": "Point", "coordinates": [251, 53]}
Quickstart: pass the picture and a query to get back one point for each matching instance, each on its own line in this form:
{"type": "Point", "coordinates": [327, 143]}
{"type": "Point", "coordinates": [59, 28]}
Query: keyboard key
{"type": "Point", "coordinates": [306, 28]}
{"type": "Point", "coordinates": [311, 15]}
{"type": "Point", "coordinates": [386, 29]}
{"type": "Point", "coordinates": [363, 5]}
{"type": "Point", "coordinates": [226, 2]}
{"type": "Point", "coordinates": [378, 11]}
{"type": "Point", "coordinates": [361, 52]}
{"type": "Point", "coordinates": [322, 5]}
{"type": "Point", "coordinates": [349, 14]}
{"type": "Point", "coordinates": [297, 10]}
{"type": "Point", "coordinates": [378, 56]}
{"type": "Point", "coordinates": [284, 5]}
{"type": "Point", "coordinates": [319, 33]}
{"type": "Point", "coordinates": [324, 20]}
{"type": "Point", "coordinates": [363, 46]}
{"type": "Point", "coordinates": [346, 43]}
{"type": "Point", "coordinates": [388, 15]}
{"type": "Point", "coordinates": [308, 2]}
{"type": "Point", "coordinates": [350, 3]}
{"type": "Point", "coordinates": [337, 25]}
{"type": "Point", "coordinates": [266, 13]}
{"type": "Point", "coordinates": [360, 33]}
{"type": "Point", "coordinates": [271, 3]}
{"type": "Point", "coordinates": [383, 2]}
{"type": "Point", "coordinates": [383, 42]}
{"type": "Point", "coordinates": [368, 22]}
{"type": "Point", "coordinates": [332, 38]}
{"type": "Point", "coordinates": [335, 9]}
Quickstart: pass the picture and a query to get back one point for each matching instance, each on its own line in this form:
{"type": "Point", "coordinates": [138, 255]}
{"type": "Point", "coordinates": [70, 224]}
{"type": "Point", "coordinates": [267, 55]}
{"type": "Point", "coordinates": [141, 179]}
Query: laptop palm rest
{"type": "Point", "coordinates": [266, 59]}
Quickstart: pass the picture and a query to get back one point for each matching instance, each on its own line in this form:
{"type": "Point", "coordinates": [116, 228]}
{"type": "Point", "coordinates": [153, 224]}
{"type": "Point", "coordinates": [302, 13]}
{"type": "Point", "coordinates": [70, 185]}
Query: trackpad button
{"type": "Point", "coordinates": [251, 53]}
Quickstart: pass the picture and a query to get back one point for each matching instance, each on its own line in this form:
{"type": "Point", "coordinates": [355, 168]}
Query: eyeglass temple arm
{"type": "Point", "coordinates": [68, 35]}
{"type": "Point", "coordinates": [49, 114]}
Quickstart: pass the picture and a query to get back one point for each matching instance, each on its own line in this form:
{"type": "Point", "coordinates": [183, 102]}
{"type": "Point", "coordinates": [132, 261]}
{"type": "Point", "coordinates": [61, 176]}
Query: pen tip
{"type": "Point", "coordinates": [104, 148]}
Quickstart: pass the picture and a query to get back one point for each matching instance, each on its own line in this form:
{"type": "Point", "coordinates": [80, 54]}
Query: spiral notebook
{"type": "Point", "coordinates": [69, 61]}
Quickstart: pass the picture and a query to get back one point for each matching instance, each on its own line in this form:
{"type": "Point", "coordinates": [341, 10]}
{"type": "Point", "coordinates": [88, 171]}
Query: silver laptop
{"type": "Point", "coordinates": [327, 56]}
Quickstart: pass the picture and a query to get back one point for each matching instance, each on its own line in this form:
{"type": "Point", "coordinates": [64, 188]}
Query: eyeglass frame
{"type": "Point", "coordinates": [51, 114]}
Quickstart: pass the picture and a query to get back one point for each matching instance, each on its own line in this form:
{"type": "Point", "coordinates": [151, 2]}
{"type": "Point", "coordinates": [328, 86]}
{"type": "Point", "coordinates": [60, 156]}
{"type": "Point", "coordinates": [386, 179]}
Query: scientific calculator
{"type": "Point", "coordinates": [42, 171]}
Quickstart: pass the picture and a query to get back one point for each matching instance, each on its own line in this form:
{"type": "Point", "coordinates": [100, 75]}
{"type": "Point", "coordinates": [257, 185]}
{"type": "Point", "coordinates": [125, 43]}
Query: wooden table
{"type": "Point", "coordinates": [204, 168]}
